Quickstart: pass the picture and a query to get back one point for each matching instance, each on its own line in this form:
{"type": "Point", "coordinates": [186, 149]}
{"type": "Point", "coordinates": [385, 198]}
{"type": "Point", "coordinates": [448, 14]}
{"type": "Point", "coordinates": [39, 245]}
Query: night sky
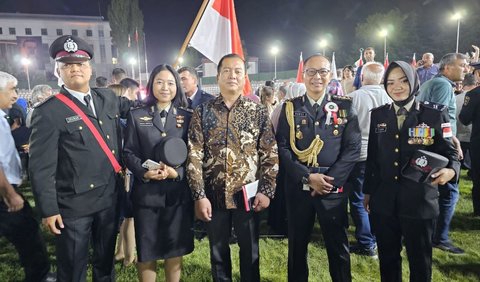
{"type": "Point", "coordinates": [295, 24]}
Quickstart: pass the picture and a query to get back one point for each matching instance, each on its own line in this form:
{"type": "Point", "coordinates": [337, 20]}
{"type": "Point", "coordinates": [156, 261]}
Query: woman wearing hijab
{"type": "Point", "coordinates": [162, 203]}
{"type": "Point", "coordinates": [401, 207]}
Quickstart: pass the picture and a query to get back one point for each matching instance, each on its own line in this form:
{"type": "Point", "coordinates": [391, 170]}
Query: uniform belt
{"type": "Point", "coordinates": [323, 169]}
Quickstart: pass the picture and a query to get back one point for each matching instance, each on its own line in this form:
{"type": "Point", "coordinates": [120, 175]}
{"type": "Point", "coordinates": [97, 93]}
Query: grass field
{"type": "Point", "coordinates": [465, 232]}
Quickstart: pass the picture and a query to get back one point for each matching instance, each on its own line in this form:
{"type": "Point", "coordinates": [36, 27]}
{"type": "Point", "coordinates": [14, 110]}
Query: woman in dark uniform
{"type": "Point", "coordinates": [400, 207]}
{"type": "Point", "coordinates": [162, 204]}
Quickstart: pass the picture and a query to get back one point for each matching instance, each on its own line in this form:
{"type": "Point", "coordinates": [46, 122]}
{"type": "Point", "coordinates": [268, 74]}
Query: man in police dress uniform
{"type": "Point", "coordinates": [72, 178]}
{"type": "Point", "coordinates": [319, 142]}
{"type": "Point", "coordinates": [470, 114]}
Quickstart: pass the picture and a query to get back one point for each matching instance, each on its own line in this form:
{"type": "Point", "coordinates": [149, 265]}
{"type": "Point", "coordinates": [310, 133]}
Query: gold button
{"type": "Point", "coordinates": [395, 164]}
{"type": "Point", "coordinates": [113, 151]}
{"type": "Point", "coordinates": [100, 122]}
{"type": "Point", "coordinates": [396, 136]}
{"type": "Point", "coordinates": [396, 177]}
{"type": "Point", "coordinates": [108, 136]}
{"type": "Point", "coordinates": [318, 136]}
{"type": "Point", "coordinates": [396, 150]}
{"type": "Point", "coordinates": [80, 127]}
{"type": "Point", "coordinates": [317, 123]}
{"type": "Point", "coordinates": [164, 134]}
{"type": "Point", "coordinates": [91, 185]}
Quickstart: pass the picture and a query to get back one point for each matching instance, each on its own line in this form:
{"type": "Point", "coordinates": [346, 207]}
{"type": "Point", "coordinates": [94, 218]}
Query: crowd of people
{"type": "Point", "coordinates": [386, 143]}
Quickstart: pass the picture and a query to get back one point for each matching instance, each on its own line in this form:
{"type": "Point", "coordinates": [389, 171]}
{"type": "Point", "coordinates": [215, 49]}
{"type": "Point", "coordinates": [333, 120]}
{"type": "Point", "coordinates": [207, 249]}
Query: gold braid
{"type": "Point", "coordinates": [309, 155]}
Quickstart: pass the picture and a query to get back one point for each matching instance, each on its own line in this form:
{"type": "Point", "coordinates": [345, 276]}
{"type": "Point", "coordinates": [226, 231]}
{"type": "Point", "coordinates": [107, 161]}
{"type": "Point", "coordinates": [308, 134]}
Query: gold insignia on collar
{"type": "Point", "coordinates": [146, 118]}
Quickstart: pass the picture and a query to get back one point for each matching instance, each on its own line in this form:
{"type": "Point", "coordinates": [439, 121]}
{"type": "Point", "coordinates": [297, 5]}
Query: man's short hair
{"type": "Point", "coordinates": [449, 59]}
{"type": "Point", "coordinates": [101, 81]}
{"type": "Point", "coordinates": [316, 55]}
{"type": "Point", "coordinates": [118, 73]}
{"type": "Point", "coordinates": [228, 56]}
{"type": "Point", "coordinates": [5, 78]}
{"type": "Point", "coordinates": [191, 70]}
{"type": "Point", "coordinates": [469, 80]}
{"type": "Point", "coordinates": [129, 83]}
{"type": "Point", "coordinates": [372, 72]}
{"type": "Point", "coordinates": [369, 48]}
{"type": "Point", "coordinates": [428, 54]}
{"type": "Point", "coordinates": [39, 90]}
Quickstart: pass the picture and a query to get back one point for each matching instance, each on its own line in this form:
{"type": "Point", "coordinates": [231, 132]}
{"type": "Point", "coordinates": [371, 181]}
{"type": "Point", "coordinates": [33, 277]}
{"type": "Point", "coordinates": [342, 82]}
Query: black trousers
{"type": "Point", "coordinates": [246, 229]}
{"type": "Point", "coordinates": [73, 244]}
{"type": "Point", "coordinates": [333, 219]}
{"type": "Point", "coordinates": [417, 236]}
{"type": "Point", "coordinates": [21, 229]}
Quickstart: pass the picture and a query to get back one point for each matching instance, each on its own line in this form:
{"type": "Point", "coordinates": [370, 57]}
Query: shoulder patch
{"type": "Point", "coordinates": [44, 101]}
{"type": "Point", "coordinates": [433, 106]}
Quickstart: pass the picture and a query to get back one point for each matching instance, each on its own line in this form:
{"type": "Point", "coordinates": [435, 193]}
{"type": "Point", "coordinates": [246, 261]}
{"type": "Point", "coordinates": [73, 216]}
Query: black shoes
{"type": "Point", "coordinates": [449, 247]}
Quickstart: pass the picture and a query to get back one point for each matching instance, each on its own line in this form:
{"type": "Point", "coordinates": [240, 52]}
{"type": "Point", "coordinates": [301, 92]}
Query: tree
{"type": "Point", "coordinates": [402, 34]}
{"type": "Point", "coordinates": [126, 19]}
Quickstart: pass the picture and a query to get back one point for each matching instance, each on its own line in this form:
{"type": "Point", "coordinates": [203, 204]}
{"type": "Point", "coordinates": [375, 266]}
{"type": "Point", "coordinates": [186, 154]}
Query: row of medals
{"type": "Point", "coordinates": [342, 119]}
{"type": "Point", "coordinates": [421, 135]}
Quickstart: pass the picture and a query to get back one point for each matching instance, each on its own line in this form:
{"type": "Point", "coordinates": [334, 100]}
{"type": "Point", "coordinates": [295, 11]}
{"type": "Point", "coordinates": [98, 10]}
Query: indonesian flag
{"type": "Point", "coordinates": [359, 62]}
{"type": "Point", "coordinates": [217, 34]}
{"type": "Point", "coordinates": [300, 70]}
{"type": "Point", "coordinates": [414, 61]}
{"type": "Point", "coordinates": [333, 67]}
{"type": "Point", "coordinates": [386, 63]}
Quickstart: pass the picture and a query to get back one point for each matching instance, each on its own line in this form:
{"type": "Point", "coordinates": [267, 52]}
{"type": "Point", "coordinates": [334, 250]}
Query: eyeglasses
{"type": "Point", "coordinates": [68, 66]}
{"type": "Point", "coordinates": [312, 72]}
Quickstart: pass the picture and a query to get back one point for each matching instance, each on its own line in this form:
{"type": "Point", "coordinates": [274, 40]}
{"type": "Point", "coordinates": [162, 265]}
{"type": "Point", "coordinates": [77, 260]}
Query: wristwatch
{"type": "Point", "coordinates": [305, 179]}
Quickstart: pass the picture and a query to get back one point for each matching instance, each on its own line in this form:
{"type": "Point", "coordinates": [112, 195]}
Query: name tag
{"type": "Point", "coordinates": [73, 119]}
{"type": "Point", "coordinates": [381, 128]}
{"type": "Point", "coordinates": [299, 114]}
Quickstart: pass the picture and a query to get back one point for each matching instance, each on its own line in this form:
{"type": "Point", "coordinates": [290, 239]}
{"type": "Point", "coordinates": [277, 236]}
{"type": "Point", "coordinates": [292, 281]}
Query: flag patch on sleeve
{"type": "Point", "coordinates": [447, 130]}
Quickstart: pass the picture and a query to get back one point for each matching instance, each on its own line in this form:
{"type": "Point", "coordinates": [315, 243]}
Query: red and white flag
{"type": "Point", "coordinates": [300, 70]}
{"type": "Point", "coordinates": [359, 62]}
{"type": "Point", "coordinates": [414, 61]}
{"type": "Point", "coordinates": [386, 63]}
{"type": "Point", "coordinates": [217, 34]}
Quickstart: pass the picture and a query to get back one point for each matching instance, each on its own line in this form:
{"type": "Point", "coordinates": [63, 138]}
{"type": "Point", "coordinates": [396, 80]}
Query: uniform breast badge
{"type": "Point", "coordinates": [381, 128]}
{"type": "Point", "coordinates": [422, 134]}
{"type": "Point", "coordinates": [298, 133]}
{"type": "Point", "coordinates": [342, 116]}
{"type": "Point", "coordinates": [180, 120]}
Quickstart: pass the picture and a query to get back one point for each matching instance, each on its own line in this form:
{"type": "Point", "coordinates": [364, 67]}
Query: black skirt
{"type": "Point", "coordinates": [162, 233]}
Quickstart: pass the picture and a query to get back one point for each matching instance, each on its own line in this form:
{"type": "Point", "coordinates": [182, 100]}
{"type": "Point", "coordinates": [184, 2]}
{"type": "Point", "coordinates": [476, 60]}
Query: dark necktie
{"type": "Point", "coordinates": [315, 109]}
{"type": "Point", "coordinates": [163, 114]}
{"type": "Point", "coordinates": [87, 99]}
{"type": "Point", "coordinates": [189, 102]}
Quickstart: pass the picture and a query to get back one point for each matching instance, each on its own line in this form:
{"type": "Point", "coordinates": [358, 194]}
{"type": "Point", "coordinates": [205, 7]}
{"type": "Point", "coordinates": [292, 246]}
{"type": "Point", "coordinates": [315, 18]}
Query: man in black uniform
{"type": "Point", "coordinates": [470, 114]}
{"type": "Point", "coordinates": [318, 142]}
{"type": "Point", "coordinates": [73, 180]}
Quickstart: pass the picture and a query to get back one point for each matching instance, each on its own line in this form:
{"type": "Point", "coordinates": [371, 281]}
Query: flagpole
{"type": "Point", "coordinates": [138, 59]}
{"type": "Point", "coordinates": [145, 53]}
{"type": "Point", "coordinates": [191, 31]}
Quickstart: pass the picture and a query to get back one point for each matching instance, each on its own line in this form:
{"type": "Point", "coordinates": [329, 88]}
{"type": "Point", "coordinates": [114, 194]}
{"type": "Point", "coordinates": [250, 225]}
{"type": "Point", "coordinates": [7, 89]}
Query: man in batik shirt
{"type": "Point", "coordinates": [231, 143]}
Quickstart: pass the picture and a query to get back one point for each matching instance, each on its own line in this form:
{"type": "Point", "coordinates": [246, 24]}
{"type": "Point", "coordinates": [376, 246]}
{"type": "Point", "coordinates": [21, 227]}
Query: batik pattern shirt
{"type": "Point", "coordinates": [229, 148]}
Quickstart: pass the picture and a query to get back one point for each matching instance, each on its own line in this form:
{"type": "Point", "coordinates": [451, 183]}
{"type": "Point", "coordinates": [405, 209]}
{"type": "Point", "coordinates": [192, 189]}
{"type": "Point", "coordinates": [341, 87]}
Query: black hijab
{"type": "Point", "coordinates": [412, 77]}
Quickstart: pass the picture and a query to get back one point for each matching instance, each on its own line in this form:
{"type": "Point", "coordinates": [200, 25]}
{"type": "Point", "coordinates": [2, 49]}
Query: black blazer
{"type": "Point", "coordinates": [200, 97]}
{"type": "Point", "coordinates": [70, 173]}
{"type": "Point", "coordinates": [340, 151]}
{"type": "Point", "coordinates": [389, 151]}
{"type": "Point", "coordinates": [144, 131]}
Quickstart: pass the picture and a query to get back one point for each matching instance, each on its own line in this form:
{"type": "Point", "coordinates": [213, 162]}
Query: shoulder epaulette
{"type": "Point", "coordinates": [44, 101]}
{"type": "Point", "coordinates": [433, 106]}
{"type": "Point", "coordinates": [188, 110]}
{"type": "Point", "coordinates": [341, 98]}
{"type": "Point", "coordinates": [381, 107]}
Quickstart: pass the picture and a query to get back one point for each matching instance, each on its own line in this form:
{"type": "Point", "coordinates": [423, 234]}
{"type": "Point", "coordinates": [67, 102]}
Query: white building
{"type": "Point", "coordinates": [30, 36]}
